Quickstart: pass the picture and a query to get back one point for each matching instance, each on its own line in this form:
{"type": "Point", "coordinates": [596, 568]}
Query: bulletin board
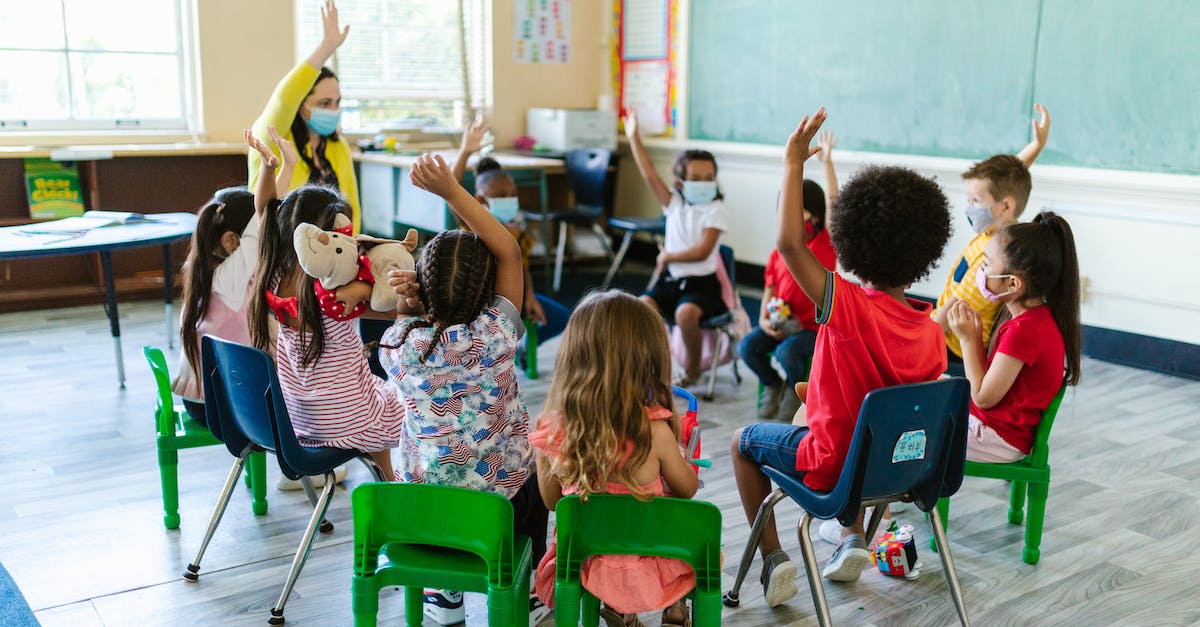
{"type": "Point", "coordinates": [646, 52]}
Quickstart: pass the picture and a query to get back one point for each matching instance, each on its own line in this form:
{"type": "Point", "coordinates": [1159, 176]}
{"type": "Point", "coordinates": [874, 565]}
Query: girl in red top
{"type": "Point", "coordinates": [1031, 268]}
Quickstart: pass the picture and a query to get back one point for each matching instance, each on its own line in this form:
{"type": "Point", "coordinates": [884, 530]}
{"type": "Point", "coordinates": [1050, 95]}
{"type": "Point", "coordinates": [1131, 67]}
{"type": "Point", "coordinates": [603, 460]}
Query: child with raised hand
{"type": "Point", "coordinates": [452, 359]}
{"type": "Point", "coordinates": [891, 226]}
{"type": "Point", "coordinates": [221, 263]}
{"type": "Point", "coordinates": [997, 190]}
{"type": "Point", "coordinates": [609, 427]}
{"type": "Point", "coordinates": [331, 396]}
{"type": "Point", "coordinates": [688, 289]}
{"type": "Point", "coordinates": [791, 337]}
{"type": "Point", "coordinates": [1031, 270]}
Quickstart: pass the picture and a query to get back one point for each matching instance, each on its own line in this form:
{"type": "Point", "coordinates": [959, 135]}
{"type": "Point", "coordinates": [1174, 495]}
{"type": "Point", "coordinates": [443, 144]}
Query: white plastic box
{"type": "Point", "coordinates": [568, 129]}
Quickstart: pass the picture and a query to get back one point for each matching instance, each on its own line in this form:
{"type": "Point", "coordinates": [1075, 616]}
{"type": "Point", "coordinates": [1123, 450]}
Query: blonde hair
{"type": "Point", "coordinates": [614, 361]}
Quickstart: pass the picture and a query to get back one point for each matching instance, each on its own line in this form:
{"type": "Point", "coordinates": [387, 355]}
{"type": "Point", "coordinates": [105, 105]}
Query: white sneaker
{"type": "Point", "coordinates": [778, 578]}
{"type": "Point", "coordinates": [537, 611]}
{"type": "Point", "coordinates": [445, 607]}
{"type": "Point", "coordinates": [848, 561]}
{"type": "Point", "coordinates": [831, 530]}
{"type": "Point", "coordinates": [318, 481]}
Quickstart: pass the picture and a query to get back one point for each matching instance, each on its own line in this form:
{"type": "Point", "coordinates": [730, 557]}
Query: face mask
{"type": "Point", "coordinates": [324, 122]}
{"type": "Point", "coordinates": [979, 217]}
{"type": "Point", "coordinates": [699, 192]}
{"type": "Point", "coordinates": [504, 209]}
{"type": "Point", "coordinates": [981, 278]}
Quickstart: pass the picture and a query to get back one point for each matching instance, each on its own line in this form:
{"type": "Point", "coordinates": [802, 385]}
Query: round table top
{"type": "Point", "coordinates": [18, 242]}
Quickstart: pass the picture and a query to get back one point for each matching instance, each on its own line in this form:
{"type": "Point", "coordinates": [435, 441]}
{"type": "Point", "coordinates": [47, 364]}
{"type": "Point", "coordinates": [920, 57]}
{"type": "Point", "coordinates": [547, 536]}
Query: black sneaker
{"type": "Point", "coordinates": [445, 607]}
{"type": "Point", "coordinates": [537, 611]}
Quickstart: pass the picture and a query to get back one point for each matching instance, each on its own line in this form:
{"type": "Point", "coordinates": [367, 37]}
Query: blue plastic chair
{"type": "Point", "coordinates": [656, 227]}
{"type": "Point", "coordinates": [587, 174]}
{"type": "Point", "coordinates": [909, 445]}
{"type": "Point", "coordinates": [244, 404]}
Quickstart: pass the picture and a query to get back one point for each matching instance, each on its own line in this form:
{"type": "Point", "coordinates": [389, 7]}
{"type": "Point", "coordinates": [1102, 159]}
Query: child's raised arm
{"type": "Point", "coordinates": [431, 174]}
{"type": "Point", "coordinates": [681, 481]}
{"type": "Point", "coordinates": [827, 140]}
{"type": "Point", "coordinates": [1041, 132]}
{"type": "Point", "coordinates": [644, 165]}
{"type": "Point", "coordinates": [288, 157]}
{"type": "Point", "coordinates": [800, 261]}
{"type": "Point", "coordinates": [472, 142]}
{"type": "Point", "coordinates": [264, 189]}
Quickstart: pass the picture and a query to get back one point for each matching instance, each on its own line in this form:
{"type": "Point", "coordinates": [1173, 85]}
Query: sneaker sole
{"type": "Point", "coordinates": [848, 567]}
{"type": "Point", "coordinates": [782, 584]}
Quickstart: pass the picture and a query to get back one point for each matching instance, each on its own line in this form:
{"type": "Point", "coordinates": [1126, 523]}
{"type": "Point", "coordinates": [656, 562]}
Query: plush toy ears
{"type": "Point", "coordinates": [409, 242]}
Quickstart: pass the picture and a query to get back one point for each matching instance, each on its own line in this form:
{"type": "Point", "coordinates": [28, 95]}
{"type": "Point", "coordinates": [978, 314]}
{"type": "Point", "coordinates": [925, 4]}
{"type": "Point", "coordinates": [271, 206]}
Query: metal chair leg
{"type": "Point", "coordinates": [305, 546]}
{"type": "Point", "coordinates": [560, 252]}
{"type": "Point", "coordinates": [760, 523]}
{"type": "Point", "coordinates": [810, 568]}
{"type": "Point", "coordinates": [602, 235]}
{"type": "Point", "coordinates": [618, 259]}
{"type": "Point", "coordinates": [716, 361]}
{"type": "Point", "coordinates": [311, 493]}
{"type": "Point", "coordinates": [874, 522]}
{"type": "Point", "coordinates": [193, 570]}
{"type": "Point", "coordinates": [373, 468]}
{"type": "Point", "coordinates": [956, 593]}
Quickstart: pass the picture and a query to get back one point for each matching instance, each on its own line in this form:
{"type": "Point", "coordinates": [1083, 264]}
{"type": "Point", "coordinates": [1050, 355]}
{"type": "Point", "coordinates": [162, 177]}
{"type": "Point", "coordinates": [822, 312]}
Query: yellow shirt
{"type": "Point", "coordinates": [961, 284]}
{"type": "Point", "coordinates": [281, 110]}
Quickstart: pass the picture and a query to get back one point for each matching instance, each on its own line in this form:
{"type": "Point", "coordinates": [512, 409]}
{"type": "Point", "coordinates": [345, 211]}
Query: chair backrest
{"type": "Point", "coordinates": [164, 411]}
{"type": "Point", "coordinates": [477, 522]}
{"type": "Point", "coordinates": [909, 439]}
{"type": "Point", "coordinates": [1039, 456]}
{"type": "Point", "coordinates": [587, 174]}
{"type": "Point", "coordinates": [730, 263]}
{"type": "Point", "coordinates": [237, 383]}
{"type": "Point", "coordinates": [617, 524]}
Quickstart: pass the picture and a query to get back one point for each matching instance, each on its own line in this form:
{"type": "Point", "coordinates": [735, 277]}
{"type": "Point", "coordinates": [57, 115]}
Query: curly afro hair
{"type": "Point", "coordinates": [889, 226]}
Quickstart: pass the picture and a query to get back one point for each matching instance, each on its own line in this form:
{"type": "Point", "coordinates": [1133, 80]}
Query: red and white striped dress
{"type": "Point", "coordinates": [336, 401]}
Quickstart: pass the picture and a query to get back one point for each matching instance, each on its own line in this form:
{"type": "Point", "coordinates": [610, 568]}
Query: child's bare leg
{"type": "Point", "coordinates": [753, 488]}
{"type": "Point", "coordinates": [383, 459]}
{"type": "Point", "coordinates": [687, 316]}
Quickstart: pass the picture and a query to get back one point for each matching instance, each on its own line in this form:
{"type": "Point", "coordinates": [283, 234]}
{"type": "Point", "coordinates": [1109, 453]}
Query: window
{"type": "Point", "coordinates": [78, 65]}
{"type": "Point", "coordinates": [405, 64]}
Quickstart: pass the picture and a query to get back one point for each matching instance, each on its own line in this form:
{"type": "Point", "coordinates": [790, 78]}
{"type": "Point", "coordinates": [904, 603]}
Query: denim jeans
{"type": "Point", "coordinates": [755, 349]}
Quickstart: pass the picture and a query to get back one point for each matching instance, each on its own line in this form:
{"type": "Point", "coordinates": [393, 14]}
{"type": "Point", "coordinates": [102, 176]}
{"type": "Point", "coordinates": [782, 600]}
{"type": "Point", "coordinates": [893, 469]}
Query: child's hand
{"type": "Point", "coordinates": [964, 321]}
{"type": "Point", "coordinates": [826, 142]}
{"type": "Point", "coordinates": [534, 311]}
{"type": "Point", "coordinates": [404, 283]}
{"type": "Point", "coordinates": [432, 174]}
{"type": "Point", "coordinates": [287, 151]}
{"type": "Point", "coordinates": [660, 262]}
{"type": "Point", "coordinates": [1041, 128]}
{"type": "Point", "coordinates": [631, 125]}
{"type": "Point", "coordinates": [799, 148]}
{"type": "Point", "coordinates": [268, 157]}
{"type": "Point", "coordinates": [769, 328]}
{"type": "Point", "coordinates": [332, 36]}
{"type": "Point", "coordinates": [472, 139]}
{"type": "Point", "coordinates": [351, 294]}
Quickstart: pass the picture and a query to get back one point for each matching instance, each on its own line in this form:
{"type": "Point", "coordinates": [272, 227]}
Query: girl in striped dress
{"type": "Point", "coordinates": [330, 393]}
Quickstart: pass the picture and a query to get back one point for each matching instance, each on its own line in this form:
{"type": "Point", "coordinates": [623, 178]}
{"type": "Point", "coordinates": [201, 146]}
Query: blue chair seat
{"type": "Point", "coordinates": [657, 224]}
{"type": "Point", "coordinates": [577, 216]}
{"type": "Point", "coordinates": [717, 321]}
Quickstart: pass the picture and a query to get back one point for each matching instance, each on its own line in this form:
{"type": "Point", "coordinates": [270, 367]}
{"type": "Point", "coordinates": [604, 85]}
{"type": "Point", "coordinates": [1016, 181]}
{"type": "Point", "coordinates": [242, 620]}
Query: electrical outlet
{"type": "Point", "coordinates": [1085, 289]}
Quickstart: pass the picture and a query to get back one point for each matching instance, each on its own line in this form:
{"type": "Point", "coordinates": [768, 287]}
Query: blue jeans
{"type": "Point", "coordinates": [771, 444]}
{"type": "Point", "coordinates": [557, 315]}
{"type": "Point", "coordinates": [793, 353]}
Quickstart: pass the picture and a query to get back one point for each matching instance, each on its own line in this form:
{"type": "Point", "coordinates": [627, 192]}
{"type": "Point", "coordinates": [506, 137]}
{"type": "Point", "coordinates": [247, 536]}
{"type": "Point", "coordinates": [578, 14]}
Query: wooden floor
{"type": "Point", "coordinates": [81, 530]}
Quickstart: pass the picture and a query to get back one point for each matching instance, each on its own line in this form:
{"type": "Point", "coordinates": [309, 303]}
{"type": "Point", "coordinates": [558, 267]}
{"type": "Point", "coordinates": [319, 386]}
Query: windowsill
{"type": "Point", "coordinates": [56, 139]}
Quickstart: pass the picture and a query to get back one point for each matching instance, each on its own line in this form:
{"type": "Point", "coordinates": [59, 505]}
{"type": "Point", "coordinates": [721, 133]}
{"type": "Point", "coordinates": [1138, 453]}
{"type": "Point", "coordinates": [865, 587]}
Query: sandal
{"type": "Point", "coordinates": [613, 618]}
{"type": "Point", "coordinates": [681, 606]}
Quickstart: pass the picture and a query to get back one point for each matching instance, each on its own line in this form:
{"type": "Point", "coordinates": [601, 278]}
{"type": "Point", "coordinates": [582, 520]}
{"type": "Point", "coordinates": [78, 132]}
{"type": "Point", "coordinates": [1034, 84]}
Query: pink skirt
{"type": "Point", "coordinates": [626, 583]}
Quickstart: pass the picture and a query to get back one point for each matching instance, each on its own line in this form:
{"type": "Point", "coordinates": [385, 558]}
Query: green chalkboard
{"type": "Point", "coordinates": [955, 78]}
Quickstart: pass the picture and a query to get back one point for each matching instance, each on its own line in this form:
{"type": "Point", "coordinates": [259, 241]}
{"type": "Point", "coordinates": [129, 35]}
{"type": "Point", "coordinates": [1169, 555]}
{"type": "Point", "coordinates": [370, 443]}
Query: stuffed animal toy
{"type": "Point", "coordinates": [895, 553]}
{"type": "Point", "coordinates": [335, 259]}
{"type": "Point", "coordinates": [780, 315]}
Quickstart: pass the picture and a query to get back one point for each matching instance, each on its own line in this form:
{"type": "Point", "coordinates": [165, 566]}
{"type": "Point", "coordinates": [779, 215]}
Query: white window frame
{"type": "Point", "coordinates": [187, 123]}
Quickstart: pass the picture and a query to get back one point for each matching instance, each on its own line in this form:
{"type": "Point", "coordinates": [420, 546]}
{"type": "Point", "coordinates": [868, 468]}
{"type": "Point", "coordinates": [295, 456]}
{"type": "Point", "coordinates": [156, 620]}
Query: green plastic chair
{"type": "Point", "coordinates": [617, 524]}
{"type": "Point", "coordinates": [176, 430]}
{"type": "Point", "coordinates": [1031, 475]}
{"type": "Point", "coordinates": [531, 346]}
{"type": "Point", "coordinates": [417, 536]}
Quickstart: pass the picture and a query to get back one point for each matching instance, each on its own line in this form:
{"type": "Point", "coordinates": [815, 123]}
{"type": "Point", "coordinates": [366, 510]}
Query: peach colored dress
{"type": "Point", "coordinates": [626, 583]}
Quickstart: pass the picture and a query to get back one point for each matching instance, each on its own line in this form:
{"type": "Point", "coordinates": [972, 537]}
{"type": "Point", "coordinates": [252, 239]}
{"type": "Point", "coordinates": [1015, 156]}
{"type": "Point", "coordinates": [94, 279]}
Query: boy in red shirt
{"type": "Point", "coordinates": [891, 226]}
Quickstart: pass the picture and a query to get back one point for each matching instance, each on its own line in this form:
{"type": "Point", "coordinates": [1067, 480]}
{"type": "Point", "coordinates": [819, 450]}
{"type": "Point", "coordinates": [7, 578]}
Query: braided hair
{"type": "Point", "coordinates": [457, 278]}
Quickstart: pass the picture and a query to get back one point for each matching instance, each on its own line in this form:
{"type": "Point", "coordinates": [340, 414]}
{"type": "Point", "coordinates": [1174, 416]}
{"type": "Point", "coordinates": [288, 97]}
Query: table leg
{"type": "Point", "coordinates": [167, 293]}
{"type": "Point", "coordinates": [114, 323]}
{"type": "Point", "coordinates": [544, 201]}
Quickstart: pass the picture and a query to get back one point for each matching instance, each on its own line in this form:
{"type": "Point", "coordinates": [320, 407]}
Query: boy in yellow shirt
{"type": "Point", "coordinates": [997, 189]}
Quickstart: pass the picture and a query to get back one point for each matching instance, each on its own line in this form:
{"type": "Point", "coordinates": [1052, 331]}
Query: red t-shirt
{"type": "Point", "coordinates": [867, 340]}
{"type": "Point", "coordinates": [779, 277]}
{"type": "Point", "coordinates": [1033, 338]}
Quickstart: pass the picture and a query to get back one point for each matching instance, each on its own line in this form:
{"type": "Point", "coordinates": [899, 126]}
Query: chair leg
{"type": "Point", "coordinates": [712, 371]}
{"type": "Point", "coordinates": [531, 348]}
{"type": "Point", "coordinates": [311, 493]}
{"type": "Point", "coordinates": [168, 474]}
{"type": "Point", "coordinates": [706, 609]}
{"type": "Point", "coordinates": [1038, 492]}
{"type": "Point", "coordinates": [414, 606]}
{"type": "Point", "coordinates": [305, 546]}
{"type": "Point", "coordinates": [1016, 502]}
{"type": "Point", "coordinates": [605, 245]}
{"type": "Point", "coordinates": [939, 534]}
{"type": "Point", "coordinates": [618, 259]}
{"type": "Point", "coordinates": [364, 601]}
{"type": "Point", "coordinates": [590, 610]}
{"type": "Point", "coordinates": [567, 599]}
{"type": "Point", "coordinates": [814, 574]}
{"type": "Point", "coordinates": [193, 570]}
{"type": "Point", "coordinates": [943, 510]}
{"type": "Point", "coordinates": [760, 523]}
{"type": "Point", "coordinates": [257, 464]}
{"type": "Point", "coordinates": [559, 253]}
{"type": "Point", "coordinates": [373, 468]}
{"type": "Point", "coordinates": [874, 522]}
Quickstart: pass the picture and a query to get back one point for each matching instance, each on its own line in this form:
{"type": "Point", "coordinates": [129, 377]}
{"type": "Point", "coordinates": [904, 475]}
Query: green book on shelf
{"type": "Point", "coordinates": [54, 190]}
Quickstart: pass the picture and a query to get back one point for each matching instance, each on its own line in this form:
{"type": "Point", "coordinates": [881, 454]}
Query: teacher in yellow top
{"type": "Point", "coordinates": [306, 102]}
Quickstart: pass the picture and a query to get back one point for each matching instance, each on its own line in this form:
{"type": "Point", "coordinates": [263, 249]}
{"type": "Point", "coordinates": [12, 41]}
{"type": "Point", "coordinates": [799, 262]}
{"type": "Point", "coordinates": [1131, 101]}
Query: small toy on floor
{"type": "Point", "coordinates": [895, 553]}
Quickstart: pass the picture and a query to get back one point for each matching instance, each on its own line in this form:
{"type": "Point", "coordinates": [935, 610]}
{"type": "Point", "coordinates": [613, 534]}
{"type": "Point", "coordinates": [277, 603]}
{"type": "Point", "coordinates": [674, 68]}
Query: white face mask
{"type": "Point", "coordinates": [699, 192]}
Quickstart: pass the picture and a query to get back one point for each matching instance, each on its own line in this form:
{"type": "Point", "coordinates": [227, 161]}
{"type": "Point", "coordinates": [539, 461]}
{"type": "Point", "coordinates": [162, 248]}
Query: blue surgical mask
{"type": "Point", "coordinates": [324, 122]}
{"type": "Point", "coordinates": [979, 217]}
{"type": "Point", "coordinates": [699, 192]}
{"type": "Point", "coordinates": [504, 209]}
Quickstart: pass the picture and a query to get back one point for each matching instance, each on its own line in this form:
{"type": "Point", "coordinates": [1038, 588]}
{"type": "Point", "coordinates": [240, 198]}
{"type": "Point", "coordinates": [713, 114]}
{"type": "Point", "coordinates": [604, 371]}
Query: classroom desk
{"type": "Point", "coordinates": [161, 229]}
{"type": "Point", "coordinates": [391, 203]}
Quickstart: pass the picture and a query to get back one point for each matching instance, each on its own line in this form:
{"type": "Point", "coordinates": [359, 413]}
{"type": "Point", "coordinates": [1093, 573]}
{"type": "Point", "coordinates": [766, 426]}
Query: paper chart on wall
{"type": "Point", "coordinates": [646, 91]}
{"type": "Point", "coordinates": [542, 31]}
{"type": "Point", "coordinates": [644, 30]}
